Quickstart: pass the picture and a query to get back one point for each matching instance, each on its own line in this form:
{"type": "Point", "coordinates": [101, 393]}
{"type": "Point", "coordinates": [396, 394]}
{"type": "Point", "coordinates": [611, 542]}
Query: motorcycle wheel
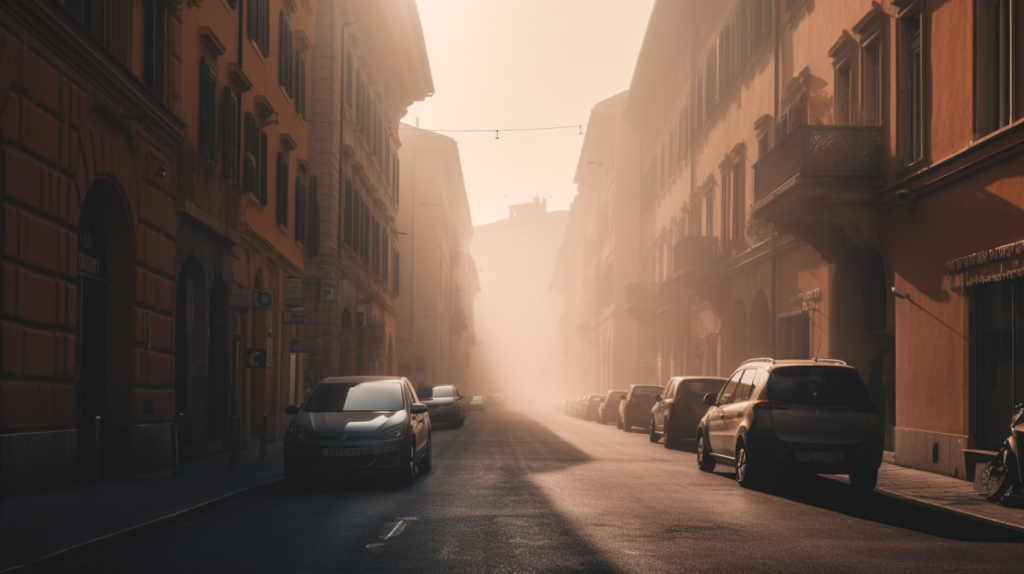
{"type": "Point", "coordinates": [997, 477]}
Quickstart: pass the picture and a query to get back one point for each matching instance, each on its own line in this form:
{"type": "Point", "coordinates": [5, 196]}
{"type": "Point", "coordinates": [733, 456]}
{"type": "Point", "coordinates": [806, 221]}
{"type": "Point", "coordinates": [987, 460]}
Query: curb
{"type": "Point", "coordinates": [931, 505]}
{"type": "Point", "coordinates": [106, 541]}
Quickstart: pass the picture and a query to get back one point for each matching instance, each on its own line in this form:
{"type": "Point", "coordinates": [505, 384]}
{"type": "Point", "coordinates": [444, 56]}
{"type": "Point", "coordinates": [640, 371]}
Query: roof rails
{"type": "Point", "coordinates": [759, 360]}
{"type": "Point", "coordinates": [830, 361]}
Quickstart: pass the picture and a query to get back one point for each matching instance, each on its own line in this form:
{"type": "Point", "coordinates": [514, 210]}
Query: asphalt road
{"type": "Point", "coordinates": [542, 492]}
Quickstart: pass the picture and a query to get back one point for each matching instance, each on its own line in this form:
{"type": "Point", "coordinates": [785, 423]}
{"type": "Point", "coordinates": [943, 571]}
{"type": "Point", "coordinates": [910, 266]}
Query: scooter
{"type": "Point", "coordinates": [1004, 470]}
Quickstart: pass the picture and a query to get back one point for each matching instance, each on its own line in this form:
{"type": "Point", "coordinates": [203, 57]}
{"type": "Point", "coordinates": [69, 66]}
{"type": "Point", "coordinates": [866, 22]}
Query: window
{"type": "Point", "coordinates": [300, 211]}
{"type": "Point", "coordinates": [349, 219]}
{"type": "Point", "coordinates": [728, 394]}
{"type": "Point", "coordinates": [746, 385]}
{"type": "Point", "coordinates": [259, 25]}
{"type": "Point", "coordinates": [285, 56]}
{"type": "Point", "coordinates": [229, 105]}
{"type": "Point", "coordinates": [254, 150]}
{"type": "Point", "coordinates": [300, 84]}
{"type": "Point", "coordinates": [349, 85]}
{"type": "Point", "coordinates": [385, 250]}
{"type": "Point", "coordinates": [993, 58]}
{"type": "Point", "coordinates": [154, 38]}
{"type": "Point", "coordinates": [207, 113]}
{"type": "Point", "coordinates": [911, 88]}
{"type": "Point", "coordinates": [282, 189]}
{"type": "Point", "coordinates": [313, 243]}
{"type": "Point", "coordinates": [263, 168]}
{"type": "Point", "coordinates": [709, 213]}
{"type": "Point", "coordinates": [397, 283]}
{"type": "Point", "coordinates": [842, 83]}
{"type": "Point", "coordinates": [871, 81]}
{"type": "Point", "coordinates": [737, 198]}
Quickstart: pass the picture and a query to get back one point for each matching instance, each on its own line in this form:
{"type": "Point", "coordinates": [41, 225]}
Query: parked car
{"type": "Point", "coordinates": [593, 403]}
{"type": "Point", "coordinates": [577, 408]}
{"type": "Point", "coordinates": [477, 403]}
{"type": "Point", "coordinates": [679, 411]}
{"type": "Point", "coordinates": [358, 425]}
{"type": "Point", "coordinates": [567, 406]}
{"type": "Point", "coordinates": [445, 404]}
{"type": "Point", "coordinates": [813, 416]}
{"type": "Point", "coordinates": [609, 411]}
{"type": "Point", "coordinates": [635, 407]}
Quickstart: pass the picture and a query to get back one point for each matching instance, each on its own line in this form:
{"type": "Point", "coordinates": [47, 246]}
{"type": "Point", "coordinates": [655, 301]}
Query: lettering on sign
{"type": "Point", "coordinates": [256, 358]}
{"type": "Point", "coordinates": [293, 287]}
{"type": "Point", "coordinates": [303, 346]}
{"type": "Point", "coordinates": [89, 265]}
{"type": "Point", "coordinates": [262, 298]}
{"type": "Point", "coordinates": [241, 299]}
{"type": "Point", "coordinates": [294, 318]}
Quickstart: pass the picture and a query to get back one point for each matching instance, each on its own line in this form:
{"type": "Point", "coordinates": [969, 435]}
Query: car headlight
{"type": "Point", "coordinates": [298, 432]}
{"type": "Point", "coordinates": [392, 434]}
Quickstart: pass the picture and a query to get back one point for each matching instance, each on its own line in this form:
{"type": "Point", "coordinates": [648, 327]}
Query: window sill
{"type": "Point", "coordinates": [254, 201]}
{"type": "Point", "coordinates": [917, 165]}
{"type": "Point", "coordinates": [282, 229]}
{"type": "Point", "coordinates": [259, 52]}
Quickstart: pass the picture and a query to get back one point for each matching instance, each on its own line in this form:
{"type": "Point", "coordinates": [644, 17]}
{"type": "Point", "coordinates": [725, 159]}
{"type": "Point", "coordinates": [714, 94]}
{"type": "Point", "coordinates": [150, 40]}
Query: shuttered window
{"type": "Point", "coordinates": [313, 246]}
{"type": "Point", "coordinates": [285, 55]}
{"type": "Point", "coordinates": [259, 24]}
{"type": "Point", "coordinates": [229, 103]}
{"type": "Point", "coordinates": [207, 113]}
{"type": "Point", "coordinates": [300, 84]}
{"type": "Point", "coordinates": [263, 168]}
{"type": "Point", "coordinates": [250, 162]}
{"type": "Point", "coordinates": [282, 189]}
{"type": "Point", "coordinates": [349, 221]}
{"type": "Point", "coordinates": [154, 46]}
{"type": "Point", "coordinates": [300, 211]}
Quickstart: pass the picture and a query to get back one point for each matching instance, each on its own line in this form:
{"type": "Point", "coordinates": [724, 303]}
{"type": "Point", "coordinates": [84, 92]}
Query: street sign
{"type": "Point", "coordinates": [256, 358]}
{"type": "Point", "coordinates": [293, 292]}
{"type": "Point", "coordinates": [241, 299]}
{"type": "Point", "coordinates": [294, 318]}
{"type": "Point", "coordinates": [262, 298]}
{"type": "Point", "coordinates": [343, 336]}
{"type": "Point", "coordinates": [303, 346]}
{"type": "Point", "coordinates": [327, 291]}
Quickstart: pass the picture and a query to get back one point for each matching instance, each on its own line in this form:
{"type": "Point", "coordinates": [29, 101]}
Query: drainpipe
{"type": "Point", "coordinates": [774, 302]}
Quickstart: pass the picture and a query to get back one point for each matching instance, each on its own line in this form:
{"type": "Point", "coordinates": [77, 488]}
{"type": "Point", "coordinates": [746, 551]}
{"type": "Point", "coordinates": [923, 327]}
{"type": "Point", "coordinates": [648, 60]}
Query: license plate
{"type": "Point", "coordinates": [820, 456]}
{"type": "Point", "coordinates": [342, 452]}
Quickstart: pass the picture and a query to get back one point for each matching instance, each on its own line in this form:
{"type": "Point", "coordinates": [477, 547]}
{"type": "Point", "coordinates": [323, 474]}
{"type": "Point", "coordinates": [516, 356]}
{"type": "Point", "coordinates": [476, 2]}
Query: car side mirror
{"type": "Point", "coordinates": [292, 409]}
{"type": "Point", "coordinates": [418, 408]}
{"type": "Point", "coordinates": [657, 398]}
{"type": "Point", "coordinates": [710, 399]}
{"type": "Point", "coordinates": [622, 398]}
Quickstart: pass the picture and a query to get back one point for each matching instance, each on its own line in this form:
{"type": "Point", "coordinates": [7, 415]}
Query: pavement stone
{"type": "Point", "coordinates": [36, 525]}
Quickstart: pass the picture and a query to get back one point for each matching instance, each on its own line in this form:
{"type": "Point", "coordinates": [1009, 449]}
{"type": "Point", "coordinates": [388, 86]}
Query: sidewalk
{"type": "Point", "coordinates": [40, 524]}
{"type": "Point", "coordinates": [945, 493]}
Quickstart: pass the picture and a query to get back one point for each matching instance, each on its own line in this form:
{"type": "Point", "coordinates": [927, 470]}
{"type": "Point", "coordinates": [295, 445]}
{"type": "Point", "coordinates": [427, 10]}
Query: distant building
{"type": "Point", "coordinates": [438, 281]}
{"type": "Point", "coordinates": [599, 258]}
{"type": "Point", "coordinates": [517, 313]}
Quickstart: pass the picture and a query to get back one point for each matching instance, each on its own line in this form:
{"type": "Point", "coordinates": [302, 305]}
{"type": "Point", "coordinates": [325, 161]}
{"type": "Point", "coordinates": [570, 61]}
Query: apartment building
{"type": "Point", "coordinates": [369, 67]}
{"type": "Point", "coordinates": [600, 256]}
{"type": "Point", "coordinates": [438, 281]}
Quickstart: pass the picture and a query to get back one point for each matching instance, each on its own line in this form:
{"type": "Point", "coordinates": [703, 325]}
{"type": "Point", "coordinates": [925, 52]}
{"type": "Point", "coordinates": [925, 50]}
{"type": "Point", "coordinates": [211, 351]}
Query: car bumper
{"type": "Point", "coordinates": [764, 446]}
{"type": "Point", "coordinates": [445, 417]}
{"type": "Point", "coordinates": [306, 458]}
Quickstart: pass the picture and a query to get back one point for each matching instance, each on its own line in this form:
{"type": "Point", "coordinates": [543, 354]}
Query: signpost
{"type": "Point", "coordinates": [294, 317]}
{"type": "Point", "coordinates": [293, 296]}
{"type": "Point", "coordinates": [256, 358]}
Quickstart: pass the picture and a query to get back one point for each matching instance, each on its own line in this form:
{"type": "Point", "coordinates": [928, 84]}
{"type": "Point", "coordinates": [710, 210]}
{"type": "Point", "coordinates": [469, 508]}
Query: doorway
{"type": "Point", "coordinates": [190, 348]}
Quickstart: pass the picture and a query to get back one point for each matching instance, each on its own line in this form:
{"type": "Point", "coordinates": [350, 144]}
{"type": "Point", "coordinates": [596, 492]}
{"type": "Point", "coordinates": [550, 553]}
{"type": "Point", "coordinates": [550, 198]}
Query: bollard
{"type": "Point", "coordinates": [175, 453]}
{"type": "Point", "coordinates": [263, 438]}
{"type": "Point", "coordinates": [96, 462]}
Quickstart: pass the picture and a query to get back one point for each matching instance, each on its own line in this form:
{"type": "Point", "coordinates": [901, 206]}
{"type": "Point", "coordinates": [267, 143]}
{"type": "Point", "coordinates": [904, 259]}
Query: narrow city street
{"type": "Point", "coordinates": [536, 491]}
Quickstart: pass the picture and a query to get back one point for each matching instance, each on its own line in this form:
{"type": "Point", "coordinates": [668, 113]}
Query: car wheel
{"type": "Point", "coordinates": [747, 471]}
{"type": "Point", "coordinates": [705, 461]}
{"type": "Point", "coordinates": [671, 441]}
{"type": "Point", "coordinates": [864, 479]}
{"type": "Point", "coordinates": [651, 434]}
{"type": "Point", "coordinates": [407, 473]}
{"type": "Point", "coordinates": [618, 424]}
{"type": "Point", "coordinates": [428, 457]}
{"type": "Point", "coordinates": [625, 424]}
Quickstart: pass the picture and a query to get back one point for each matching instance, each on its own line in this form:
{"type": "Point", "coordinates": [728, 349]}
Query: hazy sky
{"type": "Point", "coordinates": [504, 64]}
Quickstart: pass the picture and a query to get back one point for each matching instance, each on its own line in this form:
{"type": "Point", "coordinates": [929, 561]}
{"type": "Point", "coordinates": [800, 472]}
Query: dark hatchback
{"type": "Point", "coordinates": [635, 407]}
{"type": "Point", "coordinates": [358, 425]}
{"type": "Point", "coordinates": [680, 410]}
{"type": "Point", "coordinates": [446, 405]}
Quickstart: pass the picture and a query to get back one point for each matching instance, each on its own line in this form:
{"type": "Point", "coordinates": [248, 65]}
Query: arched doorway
{"type": "Point", "coordinates": [860, 329]}
{"type": "Point", "coordinates": [106, 272]}
{"type": "Point", "coordinates": [760, 326]}
{"type": "Point", "coordinates": [190, 349]}
{"type": "Point", "coordinates": [738, 346]}
{"type": "Point", "coordinates": [219, 372]}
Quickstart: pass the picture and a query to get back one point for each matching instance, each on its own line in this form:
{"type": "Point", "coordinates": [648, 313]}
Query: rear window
{"type": "Point", "coordinates": [693, 391]}
{"type": "Point", "coordinates": [817, 386]}
{"type": "Point", "coordinates": [647, 391]}
{"type": "Point", "coordinates": [444, 392]}
{"type": "Point", "coordinates": [341, 397]}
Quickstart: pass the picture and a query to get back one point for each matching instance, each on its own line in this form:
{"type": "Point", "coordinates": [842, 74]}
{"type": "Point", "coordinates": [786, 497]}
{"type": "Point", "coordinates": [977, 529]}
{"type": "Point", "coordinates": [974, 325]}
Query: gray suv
{"type": "Point", "coordinates": [813, 416]}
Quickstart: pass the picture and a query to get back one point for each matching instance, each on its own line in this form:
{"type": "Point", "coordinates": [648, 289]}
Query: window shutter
{"type": "Point", "coordinates": [251, 150]}
{"type": "Point", "coordinates": [207, 113]}
{"type": "Point", "coordinates": [230, 113]}
{"type": "Point", "coordinates": [263, 168]}
{"type": "Point", "coordinates": [314, 220]}
{"type": "Point", "coordinates": [300, 211]}
{"type": "Point", "coordinates": [265, 27]}
{"type": "Point", "coordinates": [282, 189]}
{"type": "Point", "coordinates": [282, 37]}
{"type": "Point", "coordinates": [300, 85]}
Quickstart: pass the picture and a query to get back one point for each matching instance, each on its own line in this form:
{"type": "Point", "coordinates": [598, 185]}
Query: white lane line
{"type": "Point", "coordinates": [396, 530]}
{"type": "Point", "coordinates": [375, 544]}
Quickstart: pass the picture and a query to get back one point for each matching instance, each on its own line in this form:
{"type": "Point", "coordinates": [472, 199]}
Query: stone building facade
{"type": "Point", "coordinates": [438, 279]}
{"type": "Point", "coordinates": [369, 65]}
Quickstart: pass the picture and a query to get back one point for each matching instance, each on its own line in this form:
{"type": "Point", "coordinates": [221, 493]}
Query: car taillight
{"type": "Point", "coordinates": [863, 408]}
{"type": "Point", "coordinates": [771, 405]}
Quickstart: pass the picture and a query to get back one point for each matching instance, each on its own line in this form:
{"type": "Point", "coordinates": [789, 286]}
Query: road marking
{"type": "Point", "coordinates": [396, 530]}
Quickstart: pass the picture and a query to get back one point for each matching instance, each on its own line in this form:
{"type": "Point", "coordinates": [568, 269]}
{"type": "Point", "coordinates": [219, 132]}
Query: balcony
{"type": "Point", "coordinates": [695, 260]}
{"type": "Point", "coordinates": [818, 184]}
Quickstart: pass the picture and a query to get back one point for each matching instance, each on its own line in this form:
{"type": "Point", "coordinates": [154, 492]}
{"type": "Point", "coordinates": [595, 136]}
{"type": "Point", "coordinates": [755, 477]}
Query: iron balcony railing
{"type": "Point", "coordinates": [842, 152]}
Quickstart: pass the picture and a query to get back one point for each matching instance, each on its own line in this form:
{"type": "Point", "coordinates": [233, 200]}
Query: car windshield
{"type": "Point", "coordinates": [647, 391]}
{"type": "Point", "coordinates": [370, 396]}
{"type": "Point", "coordinates": [693, 391]}
{"type": "Point", "coordinates": [817, 386]}
{"type": "Point", "coordinates": [444, 392]}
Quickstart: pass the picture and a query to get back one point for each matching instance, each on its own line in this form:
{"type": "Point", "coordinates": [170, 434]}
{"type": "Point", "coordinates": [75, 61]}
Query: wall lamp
{"type": "Point", "coordinates": [162, 170]}
{"type": "Point", "coordinates": [900, 293]}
